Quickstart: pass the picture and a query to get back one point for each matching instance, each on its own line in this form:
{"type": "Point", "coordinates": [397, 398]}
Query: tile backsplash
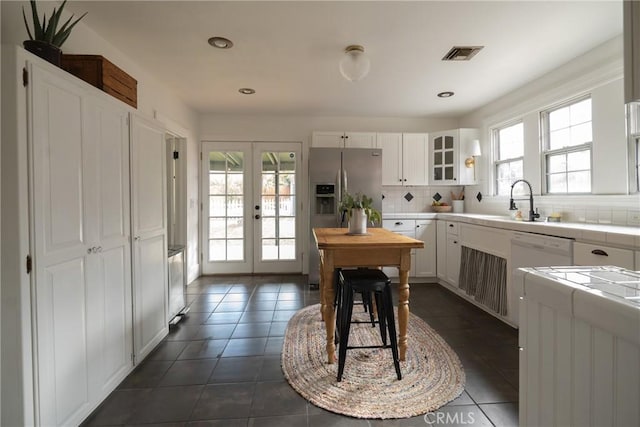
{"type": "Point", "coordinates": [414, 199]}
{"type": "Point", "coordinates": [596, 209]}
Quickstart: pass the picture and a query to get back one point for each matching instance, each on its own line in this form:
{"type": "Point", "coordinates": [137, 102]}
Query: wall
{"type": "Point", "coordinates": [154, 100]}
{"type": "Point", "coordinates": [599, 72]}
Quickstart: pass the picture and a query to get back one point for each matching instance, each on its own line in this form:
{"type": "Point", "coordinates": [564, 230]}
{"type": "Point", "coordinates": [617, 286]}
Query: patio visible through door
{"type": "Point", "coordinates": [250, 207]}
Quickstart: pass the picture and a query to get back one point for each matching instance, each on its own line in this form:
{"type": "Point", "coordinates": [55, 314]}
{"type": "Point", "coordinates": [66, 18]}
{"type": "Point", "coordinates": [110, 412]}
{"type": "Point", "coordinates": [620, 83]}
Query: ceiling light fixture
{"type": "Point", "coordinates": [220, 42]}
{"type": "Point", "coordinates": [446, 94]}
{"type": "Point", "coordinates": [354, 64]}
{"type": "Point", "coordinates": [246, 91]}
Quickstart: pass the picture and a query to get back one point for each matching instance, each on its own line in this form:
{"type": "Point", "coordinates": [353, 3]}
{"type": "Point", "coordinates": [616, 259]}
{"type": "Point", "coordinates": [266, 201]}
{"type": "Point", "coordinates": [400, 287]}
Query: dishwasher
{"type": "Point", "coordinates": [534, 250]}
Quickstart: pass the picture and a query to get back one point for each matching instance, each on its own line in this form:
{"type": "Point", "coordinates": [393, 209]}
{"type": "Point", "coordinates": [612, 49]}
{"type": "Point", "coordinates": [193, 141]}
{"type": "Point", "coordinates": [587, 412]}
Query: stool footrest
{"type": "Point", "coordinates": [368, 346]}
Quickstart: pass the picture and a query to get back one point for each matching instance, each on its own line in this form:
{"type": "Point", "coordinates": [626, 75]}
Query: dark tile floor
{"type": "Point", "coordinates": [220, 366]}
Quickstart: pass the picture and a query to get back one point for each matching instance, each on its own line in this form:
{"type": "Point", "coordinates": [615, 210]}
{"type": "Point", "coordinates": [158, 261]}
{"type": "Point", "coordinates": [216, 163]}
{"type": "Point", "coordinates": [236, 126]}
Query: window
{"type": "Point", "coordinates": [509, 145]}
{"type": "Point", "coordinates": [567, 147]}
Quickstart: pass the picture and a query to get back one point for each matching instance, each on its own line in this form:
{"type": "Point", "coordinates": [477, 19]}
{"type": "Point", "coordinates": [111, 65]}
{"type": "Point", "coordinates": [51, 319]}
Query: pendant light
{"type": "Point", "coordinates": [354, 64]}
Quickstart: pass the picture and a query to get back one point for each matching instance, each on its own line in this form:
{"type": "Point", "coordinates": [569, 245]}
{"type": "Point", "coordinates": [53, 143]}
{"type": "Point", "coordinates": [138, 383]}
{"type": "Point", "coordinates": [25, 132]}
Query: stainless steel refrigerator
{"type": "Point", "coordinates": [332, 172]}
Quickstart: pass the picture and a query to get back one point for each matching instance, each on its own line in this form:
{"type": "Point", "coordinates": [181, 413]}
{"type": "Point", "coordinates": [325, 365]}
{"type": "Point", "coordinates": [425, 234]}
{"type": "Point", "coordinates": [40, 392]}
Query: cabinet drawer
{"type": "Point", "coordinates": [591, 254]}
{"type": "Point", "coordinates": [399, 225]}
{"type": "Point", "coordinates": [452, 228]}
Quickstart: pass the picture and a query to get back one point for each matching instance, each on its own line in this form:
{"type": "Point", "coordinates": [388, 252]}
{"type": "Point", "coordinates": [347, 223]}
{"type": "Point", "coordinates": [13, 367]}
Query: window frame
{"type": "Point", "coordinates": [546, 152]}
{"type": "Point", "coordinates": [495, 138]}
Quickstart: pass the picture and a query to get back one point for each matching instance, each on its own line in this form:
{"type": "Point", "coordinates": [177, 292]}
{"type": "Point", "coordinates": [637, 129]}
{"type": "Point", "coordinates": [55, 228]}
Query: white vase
{"type": "Point", "coordinates": [358, 222]}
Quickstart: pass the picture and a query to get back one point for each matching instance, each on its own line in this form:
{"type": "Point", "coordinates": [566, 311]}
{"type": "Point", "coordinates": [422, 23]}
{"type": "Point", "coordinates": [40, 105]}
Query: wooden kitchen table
{"type": "Point", "coordinates": [379, 247]}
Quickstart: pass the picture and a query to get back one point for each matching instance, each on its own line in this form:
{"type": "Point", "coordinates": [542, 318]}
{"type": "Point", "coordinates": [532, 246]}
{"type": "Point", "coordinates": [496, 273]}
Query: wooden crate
{"type": "Point", "coordinates": [101, 73]}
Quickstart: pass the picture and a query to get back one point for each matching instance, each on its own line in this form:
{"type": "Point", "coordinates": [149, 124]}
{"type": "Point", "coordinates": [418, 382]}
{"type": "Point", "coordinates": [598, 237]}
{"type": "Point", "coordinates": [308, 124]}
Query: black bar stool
{"type": "Point", "coordinates": [372, 282]}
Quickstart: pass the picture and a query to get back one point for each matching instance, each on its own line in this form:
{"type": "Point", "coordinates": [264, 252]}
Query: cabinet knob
{"type": "Point", "coordinates": [399, 223]}
{"type": "Point", "coordinates": [450, 225]}
{"type": "Point", "coordinates": [257, 217]}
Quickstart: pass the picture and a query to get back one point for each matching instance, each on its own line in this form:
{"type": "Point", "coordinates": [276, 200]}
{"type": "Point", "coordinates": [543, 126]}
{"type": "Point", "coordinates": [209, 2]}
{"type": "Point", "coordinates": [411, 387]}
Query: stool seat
{"type": "Point", "coordinates": [364, 279]}
{"type": "Point", "coordinates": [368, 282]}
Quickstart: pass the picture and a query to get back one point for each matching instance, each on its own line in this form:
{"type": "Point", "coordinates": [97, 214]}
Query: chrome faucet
{"type": "Point", "coordinates": [512, 206]}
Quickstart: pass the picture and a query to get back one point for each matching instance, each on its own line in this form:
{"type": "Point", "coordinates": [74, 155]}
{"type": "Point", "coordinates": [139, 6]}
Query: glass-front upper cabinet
{"type": "Point", "coordinates": [448, 151]}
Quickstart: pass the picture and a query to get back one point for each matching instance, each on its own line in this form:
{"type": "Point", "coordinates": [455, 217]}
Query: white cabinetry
{"type": "Point", "coordinates": [595, 254]}
{"type": "Point", "coordinates": [425, 261]}
{"type": "Point", "coordinates": [150, 235]}
{"type": "Point", "coordinates": [453, 255]}
{"type": "Point", "coordinates": [82, 279]}
{"type": "Point", "coordinates": [447, 153]}
{"type": "Point", "coordinates": [66, 147]}
{"type": "Point", "coordinates": [406, 227]}
{"type": "Point", "coordinates": [333, 139]}
{"type": "Point", "coordinates": [404, 158]}
{"type": "Point", "coordinates": [448, 251]}
{"type": "Point", "coordinates": [441, 249]}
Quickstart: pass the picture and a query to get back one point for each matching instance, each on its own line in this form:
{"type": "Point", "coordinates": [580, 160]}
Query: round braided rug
{"type": "Point", "coordinates": [432, 374]}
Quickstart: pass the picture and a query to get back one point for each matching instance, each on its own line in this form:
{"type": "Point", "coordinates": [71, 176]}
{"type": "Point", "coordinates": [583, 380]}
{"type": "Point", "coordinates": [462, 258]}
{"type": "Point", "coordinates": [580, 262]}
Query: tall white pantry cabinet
{"type": "Point", "coordinates": [81, 299]}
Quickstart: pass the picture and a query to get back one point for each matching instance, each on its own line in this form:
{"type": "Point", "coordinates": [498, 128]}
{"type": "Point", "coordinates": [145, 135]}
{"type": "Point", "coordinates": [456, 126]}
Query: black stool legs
{"type": "Point", "coordinates": [370, 282]}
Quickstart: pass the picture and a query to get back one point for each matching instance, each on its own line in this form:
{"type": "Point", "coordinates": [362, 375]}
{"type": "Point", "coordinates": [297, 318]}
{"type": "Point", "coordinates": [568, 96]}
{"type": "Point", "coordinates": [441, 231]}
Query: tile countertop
{"type": "Point", "coordinates": [598, 233]}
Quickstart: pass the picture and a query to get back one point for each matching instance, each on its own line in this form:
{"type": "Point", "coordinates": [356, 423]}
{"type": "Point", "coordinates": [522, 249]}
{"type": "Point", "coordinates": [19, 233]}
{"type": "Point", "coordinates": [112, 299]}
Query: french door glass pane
{"type": "Point", "coordinates": [226, 206]}
{"type": "Point", "coordinates": [278, 198]}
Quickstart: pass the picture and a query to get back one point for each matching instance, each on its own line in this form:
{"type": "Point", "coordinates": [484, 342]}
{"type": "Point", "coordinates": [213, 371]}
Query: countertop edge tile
{"type": "Point", "coordinates": [614, 234]}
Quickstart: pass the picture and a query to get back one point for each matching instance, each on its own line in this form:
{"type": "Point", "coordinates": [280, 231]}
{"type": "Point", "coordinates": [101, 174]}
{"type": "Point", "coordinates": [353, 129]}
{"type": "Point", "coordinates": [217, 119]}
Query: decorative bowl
{"type": "Point", "coordinates": [441, 208]}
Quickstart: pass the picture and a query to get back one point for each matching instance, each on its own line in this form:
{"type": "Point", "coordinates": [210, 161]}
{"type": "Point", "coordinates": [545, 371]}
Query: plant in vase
{"type": "Point", "coordinates": [46, 38]}
{"type": "Point", "coordinates": [359, 210]}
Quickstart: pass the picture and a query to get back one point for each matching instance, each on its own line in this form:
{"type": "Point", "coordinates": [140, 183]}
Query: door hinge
{"type": "Point", "coordinates": [176, 155]}
{"type": "Point", "coordinates": [25, 77]}
{"type": "Point", "coordinates": [29, 264]}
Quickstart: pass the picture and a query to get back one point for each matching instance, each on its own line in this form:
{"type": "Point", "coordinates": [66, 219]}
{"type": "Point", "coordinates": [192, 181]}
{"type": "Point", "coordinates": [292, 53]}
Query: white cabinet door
{"type": "Point", "coordinates": [149, 230]}
{"type": "Point", "coordinates": [59, 185]}
{"type": "Point", "coordinates": [425, 262]}
{"type": "Point", "coordinates": [109, 292]}
{"type": "Point", "coordinates": [444, 158]}
{"type": "Point", "coordinates": [391, 145]}
{"type": "Point", "coordinates": [414, 158]}
{"type": "Point", "coordinates": [441, 249]}
{"type": "Point", "coordinates": [327, 139]}
{"type": "Point", "coordinates": [360, 140]}
{"type": "Point", "coordinates": [453, 260]}
{"type": "Point", "coordinates": [332, 139]}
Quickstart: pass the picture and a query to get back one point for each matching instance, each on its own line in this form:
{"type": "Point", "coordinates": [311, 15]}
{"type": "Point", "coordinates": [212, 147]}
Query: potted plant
{"type": "Point", "coordinates": [359, 210]}
{"type": "Point", "coordinates": [46, 38]}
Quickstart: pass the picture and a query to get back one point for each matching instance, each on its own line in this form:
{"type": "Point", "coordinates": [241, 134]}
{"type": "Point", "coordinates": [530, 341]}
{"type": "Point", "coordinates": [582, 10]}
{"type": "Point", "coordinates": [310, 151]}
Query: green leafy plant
{"type": "Point", "coordinates": [360, 201]}
{"type": "Point", "coordinates": [49, 32]}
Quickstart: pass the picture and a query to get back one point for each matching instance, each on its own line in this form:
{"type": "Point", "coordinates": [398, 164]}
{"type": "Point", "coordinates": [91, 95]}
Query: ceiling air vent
{"type": "Point", "coordinates": [461, 53]}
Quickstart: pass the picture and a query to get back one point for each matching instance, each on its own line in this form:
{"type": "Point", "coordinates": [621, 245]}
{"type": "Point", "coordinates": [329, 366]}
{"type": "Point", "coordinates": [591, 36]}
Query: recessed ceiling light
{"type": "Point", "coordinates": [447, 94]}
{"type": "Point", "coordinates": [246, 91]}
{"type": "Point", "coordinates": [220, 42]}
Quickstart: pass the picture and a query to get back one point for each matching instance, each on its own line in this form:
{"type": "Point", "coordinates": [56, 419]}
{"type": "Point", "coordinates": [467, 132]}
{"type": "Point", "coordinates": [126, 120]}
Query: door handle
{"type": "Point", "coordinates": [257, 216]}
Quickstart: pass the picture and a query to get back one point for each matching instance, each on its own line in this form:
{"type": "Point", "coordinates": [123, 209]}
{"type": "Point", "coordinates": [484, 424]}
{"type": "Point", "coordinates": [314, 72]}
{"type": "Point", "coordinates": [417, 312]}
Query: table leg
{"type": "Point", "coordinates": [328, 312]}
{"type": "Point", "coordinates": [403, 312]}
{"type": "Point", "coordinates": [321, 287]}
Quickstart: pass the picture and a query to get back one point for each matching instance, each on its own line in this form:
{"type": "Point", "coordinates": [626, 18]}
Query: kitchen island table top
{"type": "Point", "coordinates": [378, 248]}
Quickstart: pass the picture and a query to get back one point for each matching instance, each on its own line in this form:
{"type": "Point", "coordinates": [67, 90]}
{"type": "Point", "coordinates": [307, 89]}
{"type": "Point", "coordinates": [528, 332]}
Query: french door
{"type": "Point", "coordinates": [251, 207]}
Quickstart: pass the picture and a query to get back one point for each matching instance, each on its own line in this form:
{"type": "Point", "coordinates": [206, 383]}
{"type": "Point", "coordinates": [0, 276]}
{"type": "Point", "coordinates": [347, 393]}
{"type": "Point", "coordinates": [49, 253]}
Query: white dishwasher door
{"type": "Point", "coordinates": [534, 250]}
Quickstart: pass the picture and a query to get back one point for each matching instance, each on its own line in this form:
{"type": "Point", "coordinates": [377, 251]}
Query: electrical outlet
{"type": "Point", "coordinates": [633, 218]}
